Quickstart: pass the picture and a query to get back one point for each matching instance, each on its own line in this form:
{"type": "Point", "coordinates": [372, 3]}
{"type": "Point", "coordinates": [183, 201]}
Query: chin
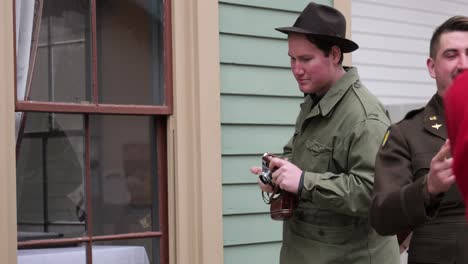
{"type": "Point", "coordinates": [306, 89]}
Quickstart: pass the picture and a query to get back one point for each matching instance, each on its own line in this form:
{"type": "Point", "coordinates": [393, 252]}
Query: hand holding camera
{"type": "Point", "coordinates": [264, 187]}
{"type": "Point", "coordinates": [266, 175]}
{"type": "Point", "coordinates": [280, 173]}
{"type": "Point", "coordinates": [281, 201]}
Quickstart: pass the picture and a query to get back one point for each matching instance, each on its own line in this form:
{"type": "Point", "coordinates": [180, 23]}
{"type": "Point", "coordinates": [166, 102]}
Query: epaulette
{"type": "Point", "coordinates": [412, 113]}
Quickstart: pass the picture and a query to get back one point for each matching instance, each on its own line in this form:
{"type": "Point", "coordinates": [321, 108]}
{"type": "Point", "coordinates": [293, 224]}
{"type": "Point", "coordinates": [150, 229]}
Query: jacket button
{"type": "Point", "coordinates": [357, 85]}
{"type": "Point", "coordinates": [321, 233]}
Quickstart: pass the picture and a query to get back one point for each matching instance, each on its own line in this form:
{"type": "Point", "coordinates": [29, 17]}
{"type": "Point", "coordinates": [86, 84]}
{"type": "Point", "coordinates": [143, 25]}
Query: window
{"type": "Point", "coordinates": [93, 95]}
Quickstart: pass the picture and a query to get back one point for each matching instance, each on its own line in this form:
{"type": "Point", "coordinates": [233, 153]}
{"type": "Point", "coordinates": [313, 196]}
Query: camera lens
{"type": "Point", "coordinates": [265, 178]}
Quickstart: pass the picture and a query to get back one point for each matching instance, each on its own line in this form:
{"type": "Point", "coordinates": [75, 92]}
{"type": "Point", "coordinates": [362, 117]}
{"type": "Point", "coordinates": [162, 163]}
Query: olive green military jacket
{"type": "Point", "coordinates": [335, 143]}
{"type": "Point", "coordinates": [400, 200]}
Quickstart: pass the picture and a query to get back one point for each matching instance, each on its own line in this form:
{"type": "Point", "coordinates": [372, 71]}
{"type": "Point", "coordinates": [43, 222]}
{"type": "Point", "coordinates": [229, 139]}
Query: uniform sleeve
{"type": "Point", "coordinates": [398, 202]}
{"type": "Point", "coordinates": [349, 192]}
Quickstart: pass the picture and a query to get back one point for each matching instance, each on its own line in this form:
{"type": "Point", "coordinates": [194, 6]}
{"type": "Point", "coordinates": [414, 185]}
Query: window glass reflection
{"type": "Point", "coordinates": [50, 175]}
{"type": "Point", "coordinates": [62, 65]}
{"type": "Point", "coordinates": [124, 174]}
{"type": "Point", "coordinates": [129, 59]}
{"type": "Point", "coordinates": [129, 34]}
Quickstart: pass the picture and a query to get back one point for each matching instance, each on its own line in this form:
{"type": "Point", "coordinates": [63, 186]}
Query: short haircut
{"type": "Point", "coordinates": [324, 45]}
{"type": "Point", "coordinates": [456, 23]}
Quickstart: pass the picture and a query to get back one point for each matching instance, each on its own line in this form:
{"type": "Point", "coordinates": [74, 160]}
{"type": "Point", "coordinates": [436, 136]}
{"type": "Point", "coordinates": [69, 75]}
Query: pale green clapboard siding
{"type": "Point", "coordinates": [250, 229]}
{"type": "Point", "coordinates": [243, 199]}
{"type": "Point", "coordinates": [249, 22]}
{"type": "Point", "coordinates": [252, 253]}
{"type": "Point", "coordinates": [255, 80]}
{"type": "Point", "coordinates": [253, 139]}
{"type": "Point", "coordinates": [234, 169]}
{"type": "Point", "coordinates": [296, 5]}
{"type": "Point", "coordinates": [259, 104]}
{"type": "Point", "coordinates": [247, 50]}
{"type": "Point", "coordinates": [259, 110]}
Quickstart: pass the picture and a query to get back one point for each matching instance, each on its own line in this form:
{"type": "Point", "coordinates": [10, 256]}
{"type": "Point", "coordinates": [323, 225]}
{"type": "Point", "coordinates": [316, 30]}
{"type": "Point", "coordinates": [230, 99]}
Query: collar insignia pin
{"type": "Point", "coordinates": [437, 126]}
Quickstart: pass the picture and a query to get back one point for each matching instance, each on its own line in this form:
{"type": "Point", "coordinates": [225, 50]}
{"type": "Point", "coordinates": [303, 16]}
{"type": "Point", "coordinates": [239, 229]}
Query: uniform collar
{"type": "Point", "coordinates": [434, 118]}
{"type": "Point", "coordinates": [334, 94]}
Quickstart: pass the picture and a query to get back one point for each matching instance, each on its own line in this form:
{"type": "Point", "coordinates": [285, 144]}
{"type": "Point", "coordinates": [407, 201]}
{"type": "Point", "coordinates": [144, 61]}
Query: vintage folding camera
{"type": "Point", "coordinates": [265, 175]}
{"type": "Point", "coordinates": [282, 203]}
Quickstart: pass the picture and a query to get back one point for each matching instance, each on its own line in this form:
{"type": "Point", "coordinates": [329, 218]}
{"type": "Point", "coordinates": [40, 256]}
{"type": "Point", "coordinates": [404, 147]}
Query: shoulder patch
{"type": "Point", "coordinates": [412, 113]}
{"type": "Point", "coordinates": [385, 138]}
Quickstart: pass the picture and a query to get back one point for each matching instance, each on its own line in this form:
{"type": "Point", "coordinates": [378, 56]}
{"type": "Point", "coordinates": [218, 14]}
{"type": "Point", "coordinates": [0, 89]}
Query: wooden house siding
{"type": "Point", "coordinates": [259, 104]}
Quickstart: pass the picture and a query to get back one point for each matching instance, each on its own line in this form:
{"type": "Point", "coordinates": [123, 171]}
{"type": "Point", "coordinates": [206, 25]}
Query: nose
{"type": "Point", "coordinates": [463, 65]}
{"type": "Point", "coordinates": [297, 68]}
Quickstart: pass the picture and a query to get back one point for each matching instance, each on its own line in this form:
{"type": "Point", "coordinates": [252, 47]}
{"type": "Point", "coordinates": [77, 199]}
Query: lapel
{"type": "Point", "coordinates": [434, 118]}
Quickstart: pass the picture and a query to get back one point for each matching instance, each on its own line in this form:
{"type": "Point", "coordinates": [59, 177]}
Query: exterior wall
{"type": "Point", "coordinates": [394, 41]}
{"type": "Point", "coordinates": [7, 137]}
{"type": "Point", "coordinates": [259, 104]}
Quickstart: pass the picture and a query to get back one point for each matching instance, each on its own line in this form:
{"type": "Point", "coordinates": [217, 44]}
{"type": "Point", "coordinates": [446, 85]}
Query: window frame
{"type": "Point", "coordinates": [159, 112]}
{"type": "Point", "coordinates": [95, 106]}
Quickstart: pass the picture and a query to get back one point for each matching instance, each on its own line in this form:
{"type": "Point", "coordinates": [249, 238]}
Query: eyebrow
{"type": "Point", "coordinates": [449, 50]}
{"type": "Point", "coordinates": [300, 56]}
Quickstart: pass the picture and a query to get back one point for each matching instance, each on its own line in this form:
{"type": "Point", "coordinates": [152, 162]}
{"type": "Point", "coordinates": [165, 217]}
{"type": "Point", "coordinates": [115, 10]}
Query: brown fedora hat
{"type": "Point", "coordinates": [322, 22]}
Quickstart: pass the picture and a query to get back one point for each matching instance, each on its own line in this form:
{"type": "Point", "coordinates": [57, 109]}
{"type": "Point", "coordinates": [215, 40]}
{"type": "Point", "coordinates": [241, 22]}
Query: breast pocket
{"type": "Point", "coordinates": [421, 164]}
{"type": "Point", "coordinates": [319, 156]}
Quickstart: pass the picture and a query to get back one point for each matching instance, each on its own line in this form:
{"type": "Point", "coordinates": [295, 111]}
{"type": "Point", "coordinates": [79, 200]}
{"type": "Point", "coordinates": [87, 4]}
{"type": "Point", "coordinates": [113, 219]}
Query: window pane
{"type": "Point", "coordinates": [62, 69]}
{"type": "Point", "coordinates": [129, 35]}
{"type": "Point", "coordinates": [124, 173]}
{"type": "Point", "coordinates": [128, 251]}
{"type": "Point", "coordinates": [50, 175]}
{"type": "Point", "coordinates": [41, 81]}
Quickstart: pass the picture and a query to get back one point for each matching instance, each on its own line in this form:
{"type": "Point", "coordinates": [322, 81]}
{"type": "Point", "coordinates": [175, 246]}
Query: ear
{"type": "Point", "coordinates": [336, 54]}
{"type": "Point", "coordinates": [431, 67]}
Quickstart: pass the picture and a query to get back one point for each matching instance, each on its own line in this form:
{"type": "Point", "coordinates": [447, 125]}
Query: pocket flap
{"type": "Point", "coordinates": [421, 163]}
{"type": "Point", "coordinates": [316, 148]}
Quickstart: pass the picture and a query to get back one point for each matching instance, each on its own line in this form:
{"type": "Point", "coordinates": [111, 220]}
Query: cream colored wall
{"type": "Point", "coordinates": [7, 137]}
{"type": "Point", "coordinates": [345, 7]}
{"type": "Point", "coordinates": [195, 197]}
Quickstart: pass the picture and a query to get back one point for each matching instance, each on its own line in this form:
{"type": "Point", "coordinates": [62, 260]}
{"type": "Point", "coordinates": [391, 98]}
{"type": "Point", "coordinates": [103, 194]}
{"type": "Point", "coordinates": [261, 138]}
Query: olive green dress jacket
{"type": "Point", "coordinates": [335, 143]}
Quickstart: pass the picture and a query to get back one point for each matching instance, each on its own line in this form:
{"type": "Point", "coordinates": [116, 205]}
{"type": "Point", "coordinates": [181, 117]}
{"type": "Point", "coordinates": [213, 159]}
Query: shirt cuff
{"type": "Point", "coordinates": [309, 182]}
{"type": "Point", "coordinates": [431, 202]}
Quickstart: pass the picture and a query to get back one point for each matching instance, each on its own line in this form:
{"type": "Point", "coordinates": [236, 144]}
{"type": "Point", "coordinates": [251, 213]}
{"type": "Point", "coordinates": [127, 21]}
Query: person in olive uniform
{"type": "Point", "coordinates": [329, 161]}
{"type": "Point", "coordinates": [414, 187]}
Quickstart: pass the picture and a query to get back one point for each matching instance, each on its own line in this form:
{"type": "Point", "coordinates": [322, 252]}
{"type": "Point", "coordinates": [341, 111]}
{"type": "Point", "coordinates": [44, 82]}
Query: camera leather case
{"type": "Point", "coordinates": [282, 207]}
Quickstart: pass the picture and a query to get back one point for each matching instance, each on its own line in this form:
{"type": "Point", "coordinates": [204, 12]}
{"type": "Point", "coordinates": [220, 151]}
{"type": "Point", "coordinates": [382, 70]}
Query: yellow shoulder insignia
{"type": "Point", "coordinates": [385, 138]}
